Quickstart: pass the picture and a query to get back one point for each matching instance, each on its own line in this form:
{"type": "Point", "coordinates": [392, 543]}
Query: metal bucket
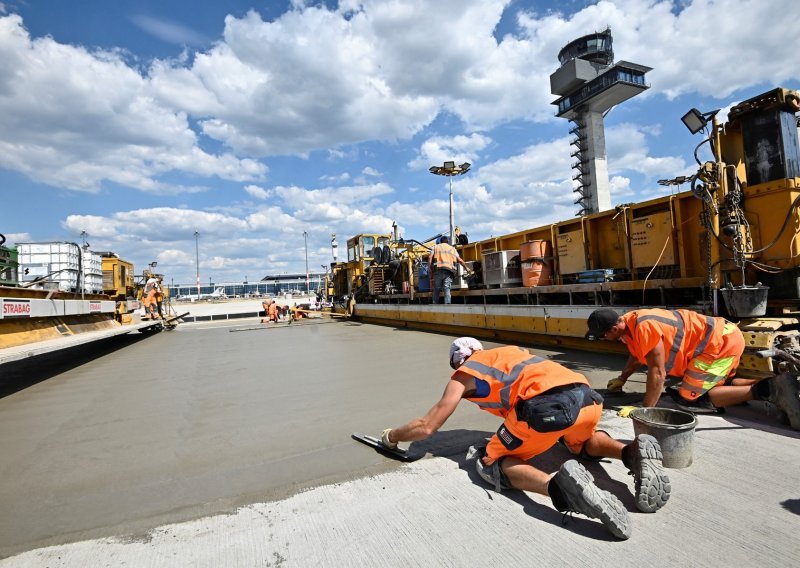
{"type": "Point", "coordinates": [746, 302]}
{"type": "Point", "coordinates": [674, 430]}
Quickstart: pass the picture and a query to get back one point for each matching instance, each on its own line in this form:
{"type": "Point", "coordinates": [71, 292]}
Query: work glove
{"type": "Point", "coordinates": [385, 440]}
{"type": "Point", "coordinates": [625, 411]}
{"type": "Point", "coordinates": [615, 385]}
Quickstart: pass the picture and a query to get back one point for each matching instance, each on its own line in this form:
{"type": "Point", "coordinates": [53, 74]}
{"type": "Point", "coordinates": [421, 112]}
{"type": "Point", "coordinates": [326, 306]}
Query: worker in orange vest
{"type": "Point", "coordinates": [705, 351]}
{"type": "Point", "coordinates": [442, 268]}
{"type": "Point", "coordinates": [541, 403]}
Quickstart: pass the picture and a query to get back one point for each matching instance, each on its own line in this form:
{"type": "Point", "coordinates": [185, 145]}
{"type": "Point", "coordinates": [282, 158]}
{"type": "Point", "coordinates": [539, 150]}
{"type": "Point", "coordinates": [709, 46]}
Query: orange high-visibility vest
{"type": "Point", "coordinates": [444, 256]}
{"type": "Point", "coordinates": [515, 374]}
{"type": "Point", "coordinates": [684, 333]}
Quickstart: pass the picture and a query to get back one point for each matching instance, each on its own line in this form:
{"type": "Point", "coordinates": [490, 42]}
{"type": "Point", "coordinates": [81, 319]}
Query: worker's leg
{"type": "Point", "coordinates": [571, 489]}
{"type": "Point", "coordinates": [601, 445]}
{"type": "Point", "coordinates": [522, 475]}
{"type": "Point", "coordinates": [642, 457]}
{"type": "Point", "coordinates": [707, 373]}
{"type": "Point", "coordinates": [437, 285]}
{"type": "Point", "coordinates": [724, 395]}
{"type": "Point", "coordinates": [448, 283]}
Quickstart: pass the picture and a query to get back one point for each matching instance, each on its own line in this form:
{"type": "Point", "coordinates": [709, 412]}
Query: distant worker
{"type": "Point", "coordinates": [149, 293]}
{"type": "Point", "coordinates": [160, 299]}
{"type": "Point", "coordinates": [270, 310]}
{"type": "Point", "coordinates": [442, 267]}
{"type": "Point", "coordinates": [705, 351]}
{"type": "Point", "coordinates": [542, 402]}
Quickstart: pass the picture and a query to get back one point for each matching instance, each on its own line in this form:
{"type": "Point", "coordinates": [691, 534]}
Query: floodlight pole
{"type": "Point", "coordinates": [305, 240]}
{"type": "Point", "coordinates": [197, 259]}
{"type": "Point", "coordinates": [450, 169]}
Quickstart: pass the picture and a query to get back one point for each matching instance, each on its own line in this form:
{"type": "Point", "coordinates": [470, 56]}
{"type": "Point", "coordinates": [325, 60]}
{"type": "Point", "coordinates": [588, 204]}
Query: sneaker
{"type": "Point", "coordinates": [650, 480]}
{"type": "Point", "coordinates": [584, 497]}
{"type": "Point", "coordinates": [491, 474]}
{"type": "Point", "coordinates": [785, 394]}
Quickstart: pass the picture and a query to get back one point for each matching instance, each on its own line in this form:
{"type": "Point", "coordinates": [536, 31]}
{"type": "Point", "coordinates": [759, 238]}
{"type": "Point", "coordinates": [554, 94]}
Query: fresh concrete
{"type": "Point", "coordinates": [242, 441]}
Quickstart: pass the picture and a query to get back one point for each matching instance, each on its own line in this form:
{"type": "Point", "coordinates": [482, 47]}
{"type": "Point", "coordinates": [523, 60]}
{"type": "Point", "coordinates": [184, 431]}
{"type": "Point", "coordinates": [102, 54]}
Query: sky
{"type": "Point", "coordinates": [266, 127]}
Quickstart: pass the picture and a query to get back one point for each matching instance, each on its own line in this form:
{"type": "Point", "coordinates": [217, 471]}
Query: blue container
{"type": "Point", "coordinates": [423, 280]}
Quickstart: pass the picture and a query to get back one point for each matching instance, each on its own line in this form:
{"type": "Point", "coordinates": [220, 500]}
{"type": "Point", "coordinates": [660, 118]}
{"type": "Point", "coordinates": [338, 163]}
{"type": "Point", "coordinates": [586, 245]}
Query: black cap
{"type": "Point", "coordinates": [600, 321]}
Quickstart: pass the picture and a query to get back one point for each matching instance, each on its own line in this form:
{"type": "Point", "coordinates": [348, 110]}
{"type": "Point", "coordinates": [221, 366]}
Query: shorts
{"type": "Point", "coordinates": [516, 438]}
{"type": "Point", "coordinates": [709, 370]}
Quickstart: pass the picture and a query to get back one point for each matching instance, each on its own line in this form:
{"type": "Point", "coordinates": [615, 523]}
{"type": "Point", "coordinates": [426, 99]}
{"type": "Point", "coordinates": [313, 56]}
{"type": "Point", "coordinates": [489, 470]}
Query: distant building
{"type": "Point", "coordinates": [270, 285]}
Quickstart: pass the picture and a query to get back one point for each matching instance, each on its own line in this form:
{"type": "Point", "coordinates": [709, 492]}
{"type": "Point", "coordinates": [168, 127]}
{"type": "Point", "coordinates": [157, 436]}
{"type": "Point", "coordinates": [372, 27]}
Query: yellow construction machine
{"type": "Point", "coordinates": [728, 246]}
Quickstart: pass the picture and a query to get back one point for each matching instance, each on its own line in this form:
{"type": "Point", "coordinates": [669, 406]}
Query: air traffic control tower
{"type": "Point", "coordinates": [589, 84]}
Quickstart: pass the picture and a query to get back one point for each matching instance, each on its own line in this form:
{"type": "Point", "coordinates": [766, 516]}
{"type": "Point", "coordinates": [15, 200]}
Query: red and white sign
{"type": "Point", "coordinates": [16, 308]}
{"type": "Point", "coordinates": [95, 307]}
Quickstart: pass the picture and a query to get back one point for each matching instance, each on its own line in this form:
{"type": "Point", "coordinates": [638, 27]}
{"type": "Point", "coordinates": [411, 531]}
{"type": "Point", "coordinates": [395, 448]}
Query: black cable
{"type": "Point", "coordinates": [696, 148]}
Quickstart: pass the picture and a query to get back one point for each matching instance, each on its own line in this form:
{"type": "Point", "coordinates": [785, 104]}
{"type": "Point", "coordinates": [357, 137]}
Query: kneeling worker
{"type": "Point", "coordinates": [704, 350]}
{"type": "Point", "coordinates": [525, 389]}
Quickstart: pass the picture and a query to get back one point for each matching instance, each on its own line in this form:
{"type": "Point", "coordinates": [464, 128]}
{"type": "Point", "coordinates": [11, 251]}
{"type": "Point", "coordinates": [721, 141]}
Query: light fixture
{"type": "Point", "coordinates": [696, 121]}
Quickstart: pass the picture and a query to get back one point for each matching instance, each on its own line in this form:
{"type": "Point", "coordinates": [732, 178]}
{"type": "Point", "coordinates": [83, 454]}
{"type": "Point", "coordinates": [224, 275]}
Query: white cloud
{"type": "Point", "coordinates": [372, 172]}
{"type": "Point", "coordinates": [318, 78]}
{"type": "Point", "coordinates": [628, 150]}
{"type": "Point", "coordinates": [256, 192]}
{"type": "Point", "coordinates": [439, 149]}
{"type": "Point", "coordinates": [76, 119]}
{"type": "Point", "coordinates": [13, 238]}
{"type": "Point", "coordinates": [341, 178]}
{"type": "Point", "coordinates": [170, 32]}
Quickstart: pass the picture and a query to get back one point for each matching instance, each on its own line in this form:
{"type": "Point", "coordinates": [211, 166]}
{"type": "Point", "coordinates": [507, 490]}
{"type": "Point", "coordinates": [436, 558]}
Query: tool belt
{"type": "Point", "coordinates": [558, 408]}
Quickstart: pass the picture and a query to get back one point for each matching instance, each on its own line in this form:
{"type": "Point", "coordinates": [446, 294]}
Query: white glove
{"type": "Point", "coordinates": [385, 440]}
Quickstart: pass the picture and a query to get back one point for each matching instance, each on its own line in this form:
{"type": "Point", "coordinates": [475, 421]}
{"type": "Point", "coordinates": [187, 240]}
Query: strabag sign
{"type": "Point", "coordinates": [16, 308]}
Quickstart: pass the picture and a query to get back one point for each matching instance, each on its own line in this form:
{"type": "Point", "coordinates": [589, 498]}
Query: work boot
{"type": "Point", "coordinates": [575, 492]}
{"type": "Point", "coordinates": [643, 458]}
{"type": "Point", "coordinates": [785, 394]}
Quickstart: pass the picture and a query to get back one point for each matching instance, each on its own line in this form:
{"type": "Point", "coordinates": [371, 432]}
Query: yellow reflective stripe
{"type": "Point", "coordinates": [729, 328]}
{"type": "Point", "coordinates": [709, 381]}
{"type": "Point", "coordinates": [720, 367]}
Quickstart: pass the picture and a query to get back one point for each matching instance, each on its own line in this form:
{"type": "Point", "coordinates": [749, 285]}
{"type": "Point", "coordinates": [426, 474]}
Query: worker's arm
{"type": "Point", "coordinates": [656, 375]}
{"type": "Point", "coordinates": [631, 367]}
{"type": "Point", "coordinates": [421, 428]}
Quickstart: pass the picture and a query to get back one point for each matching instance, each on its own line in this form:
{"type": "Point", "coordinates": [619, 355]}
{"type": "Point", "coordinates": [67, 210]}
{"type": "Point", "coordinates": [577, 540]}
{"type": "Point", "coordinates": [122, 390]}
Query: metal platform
{"type": "Point", "coordinates": [10, 354]}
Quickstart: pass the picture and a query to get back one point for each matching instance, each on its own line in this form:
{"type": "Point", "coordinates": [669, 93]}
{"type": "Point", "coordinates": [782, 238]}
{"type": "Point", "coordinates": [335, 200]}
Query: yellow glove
{"type": "Point", "coordinates": [385, 440]}
{"type": "Point", "coordinates": [615, 385]}
{"type": "Point", "coordinates": [625, 411]}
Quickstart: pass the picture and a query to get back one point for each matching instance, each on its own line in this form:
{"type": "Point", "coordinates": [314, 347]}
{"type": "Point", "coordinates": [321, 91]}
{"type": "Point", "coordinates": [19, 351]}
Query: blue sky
{"type": "Point", "coordinates": [254, 122]}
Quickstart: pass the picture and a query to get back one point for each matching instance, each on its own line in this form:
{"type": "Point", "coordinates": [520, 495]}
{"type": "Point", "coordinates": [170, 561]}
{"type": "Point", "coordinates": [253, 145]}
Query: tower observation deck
{"type": "Point", "coordinates": [589, 83]}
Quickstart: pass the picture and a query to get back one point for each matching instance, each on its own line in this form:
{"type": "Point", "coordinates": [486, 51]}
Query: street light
{"type": "Point", "coordinates": [450, 169]}
{"type": "Point", "coordinates": [197, 259]}
{"type": "Point", "coordinates": [305, 240]}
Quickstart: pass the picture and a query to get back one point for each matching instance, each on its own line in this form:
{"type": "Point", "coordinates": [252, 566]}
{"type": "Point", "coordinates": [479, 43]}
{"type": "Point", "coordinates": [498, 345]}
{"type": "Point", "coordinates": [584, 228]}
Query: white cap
{"type": "Point", "coordinates": [461, 349]}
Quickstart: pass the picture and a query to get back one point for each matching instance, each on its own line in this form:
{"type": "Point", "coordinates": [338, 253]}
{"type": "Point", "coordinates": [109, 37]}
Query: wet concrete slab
{"type": "Point", "coordinates": [206, 447]}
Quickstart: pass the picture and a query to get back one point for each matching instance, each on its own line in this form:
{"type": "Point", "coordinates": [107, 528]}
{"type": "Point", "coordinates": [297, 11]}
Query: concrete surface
{"type": "Point", "coordinates": [203, 447]}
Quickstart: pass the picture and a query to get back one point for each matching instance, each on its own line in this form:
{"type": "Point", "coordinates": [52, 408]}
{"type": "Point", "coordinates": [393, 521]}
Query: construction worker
{"type": "Point", "coordinates": [151, 289]}
{"type": "Point", "coordinates": [542, 402]}
{"type": "Point", "coordinates": [705, 351]}
{"type": "Point", "coordinates": [442, 268]}
{"type": "Point", "coordinates": [270, 310]}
